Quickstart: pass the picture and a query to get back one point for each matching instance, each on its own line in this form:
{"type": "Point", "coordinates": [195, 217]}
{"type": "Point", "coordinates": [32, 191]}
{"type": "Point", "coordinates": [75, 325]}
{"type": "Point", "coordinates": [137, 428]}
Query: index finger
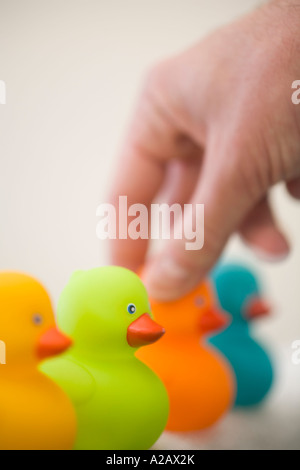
{"type": "Point", "coordinates": [139, 178]}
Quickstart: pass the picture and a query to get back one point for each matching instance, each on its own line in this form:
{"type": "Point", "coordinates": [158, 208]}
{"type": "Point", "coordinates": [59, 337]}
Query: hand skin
{"type": "Point", "coordinates": [216, 125]}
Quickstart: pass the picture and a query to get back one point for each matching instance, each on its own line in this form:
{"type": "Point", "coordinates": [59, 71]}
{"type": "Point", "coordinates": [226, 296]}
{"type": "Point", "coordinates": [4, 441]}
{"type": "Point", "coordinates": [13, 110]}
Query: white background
{"type": "Point", "coordinates": [72, 70]}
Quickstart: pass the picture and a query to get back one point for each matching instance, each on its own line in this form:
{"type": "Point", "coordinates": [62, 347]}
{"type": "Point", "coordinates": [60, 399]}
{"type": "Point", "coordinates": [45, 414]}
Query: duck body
{"type": "Point", "coordinates": [197, 401]}
{"type": "Point", "coordinates": [118, 407]}
{"type": "Point", "coordinates": [120, 403]}
{"type": "Point", "coordinates": [199, 381]}
{"type": "Point", "coordinates": [35, 414]}
{"type": "Point", "coordinates": [250, 362]}
{"type": "Point", "coordinates": [240, 295]}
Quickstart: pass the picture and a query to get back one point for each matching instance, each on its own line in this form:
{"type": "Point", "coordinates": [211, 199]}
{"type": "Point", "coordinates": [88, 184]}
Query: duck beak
{"type": "Point", "coordinates": [52, 342]}
{"type": "Point", "coordinates": [213, 320]}
{"type": "Point", "coordinates": [144, 331]}
{"type": "Point", "coordinates": [257, 308]}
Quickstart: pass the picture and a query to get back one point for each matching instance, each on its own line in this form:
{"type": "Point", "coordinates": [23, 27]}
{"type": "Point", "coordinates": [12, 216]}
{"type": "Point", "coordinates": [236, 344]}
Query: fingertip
{"type": "Point", "coordinates": [262, 233]}
{"type": "Point", "coordinates": [166, 280]}
{"type": "Point", "coordinates": [270, 245]}
{"type": "Point", "coordinates": [294, 188]}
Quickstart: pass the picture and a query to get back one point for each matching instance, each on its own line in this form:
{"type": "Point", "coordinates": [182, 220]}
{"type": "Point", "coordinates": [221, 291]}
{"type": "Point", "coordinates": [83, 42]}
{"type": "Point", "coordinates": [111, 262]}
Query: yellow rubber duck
{"type": "Point", "coordinates": [35, 414]}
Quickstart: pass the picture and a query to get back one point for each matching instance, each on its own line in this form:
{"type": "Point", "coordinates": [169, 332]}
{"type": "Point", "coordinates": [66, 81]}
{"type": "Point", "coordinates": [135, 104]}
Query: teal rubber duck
{"type": "Point", "coordinates": [239, 294]}
{"type": "Point", "coordinates": [119, 402]}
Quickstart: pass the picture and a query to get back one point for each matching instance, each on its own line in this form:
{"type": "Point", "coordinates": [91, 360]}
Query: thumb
{"type": "Point", "coordinates": [224, 193]}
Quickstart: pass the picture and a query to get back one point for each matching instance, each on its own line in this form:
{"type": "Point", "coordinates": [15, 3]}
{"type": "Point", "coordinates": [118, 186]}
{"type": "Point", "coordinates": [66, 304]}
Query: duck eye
{"type": "Point", "coordinates": [131, 308]}
{"type": "Point", "coordinates": [37, 319]}
{"type": "Point", "coordinates": [199, 301]}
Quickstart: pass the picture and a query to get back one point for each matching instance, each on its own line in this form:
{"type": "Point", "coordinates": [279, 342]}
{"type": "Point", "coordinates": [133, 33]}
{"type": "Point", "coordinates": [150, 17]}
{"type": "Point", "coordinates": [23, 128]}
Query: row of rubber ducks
{"type": "Point", "coordinates": [89, 383]}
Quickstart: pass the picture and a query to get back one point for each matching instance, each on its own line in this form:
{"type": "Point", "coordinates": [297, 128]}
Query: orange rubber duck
{"type": "Point", "coordinates": [200, 383]}
{"type": "Point", "coordinates": [35, 414]}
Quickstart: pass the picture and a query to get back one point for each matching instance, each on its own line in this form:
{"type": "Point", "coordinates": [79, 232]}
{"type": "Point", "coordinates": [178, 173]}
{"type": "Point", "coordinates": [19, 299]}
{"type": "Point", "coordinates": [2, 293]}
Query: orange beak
{"type": "Point", "coordinates": [144, 331]}
{"type": "Point", "coordinates": [52, 342]}
{"type": "Point", "coordinates": [257, 308]}
{"type": "Point", "coordinates": [213, 320]}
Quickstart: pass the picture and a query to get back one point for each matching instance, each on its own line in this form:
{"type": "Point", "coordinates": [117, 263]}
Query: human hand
{"type": "Point", "coordinates": [216, 125]}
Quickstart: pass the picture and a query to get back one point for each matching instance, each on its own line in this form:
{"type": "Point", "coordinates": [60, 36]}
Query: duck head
{"type": "Point", "coordinates": [27, 323]}
{"type": "Point", "coordinates": [239, 292]}
{"type": "Point", "coordinates": [106, 310]}
{"type": "Point", "coordinates": [195, 313]}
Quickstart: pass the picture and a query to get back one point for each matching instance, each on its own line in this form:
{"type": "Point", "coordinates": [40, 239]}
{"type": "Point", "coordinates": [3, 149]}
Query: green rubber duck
{"type": "Point", "coordinates": [120, 403]}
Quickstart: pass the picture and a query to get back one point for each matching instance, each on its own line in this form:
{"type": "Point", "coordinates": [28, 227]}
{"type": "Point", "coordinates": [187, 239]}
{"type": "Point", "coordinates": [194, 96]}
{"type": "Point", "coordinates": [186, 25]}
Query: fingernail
{"type": "Point", "coordinates": [165, 279]}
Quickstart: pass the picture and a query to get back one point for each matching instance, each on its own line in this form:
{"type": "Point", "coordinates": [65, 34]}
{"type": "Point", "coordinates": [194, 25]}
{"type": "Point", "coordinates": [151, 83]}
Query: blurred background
{"type": "Point", "coordinates": [73, 69]}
